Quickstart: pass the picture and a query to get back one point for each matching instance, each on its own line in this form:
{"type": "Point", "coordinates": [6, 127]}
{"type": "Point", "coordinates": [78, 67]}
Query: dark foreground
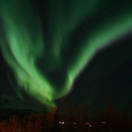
{"type": "Point", "coordinates": [65, 120]}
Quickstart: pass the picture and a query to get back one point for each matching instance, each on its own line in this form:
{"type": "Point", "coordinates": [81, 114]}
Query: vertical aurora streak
{"type": "Point", "coordinates": [23, 42]}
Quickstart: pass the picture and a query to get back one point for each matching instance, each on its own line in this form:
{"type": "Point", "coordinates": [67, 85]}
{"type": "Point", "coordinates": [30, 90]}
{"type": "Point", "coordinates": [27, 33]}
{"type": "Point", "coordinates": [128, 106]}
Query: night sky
{"type": "Point", "coordinates": [108, 74]}
{"type": "Point", "coordinates": [105, 71]}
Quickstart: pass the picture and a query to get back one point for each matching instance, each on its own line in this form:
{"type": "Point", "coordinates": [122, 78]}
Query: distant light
{"type": "Point", "coordinates": [103, 122]}
{"type": "Point", "coordinates": [61, 122]}
{"type": "Point", "coordinates": [88, 124]}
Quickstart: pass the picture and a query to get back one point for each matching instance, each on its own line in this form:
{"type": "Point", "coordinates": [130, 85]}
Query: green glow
{"type": "Point", "coordinates": [24, 39]}
{"type": "Point", "coordinates": [23, 42]}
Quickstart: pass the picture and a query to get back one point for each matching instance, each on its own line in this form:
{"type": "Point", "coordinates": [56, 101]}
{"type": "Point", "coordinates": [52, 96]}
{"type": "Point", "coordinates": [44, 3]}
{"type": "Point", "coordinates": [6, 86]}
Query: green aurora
{"type": "Point", "coordinates": [46, 59]}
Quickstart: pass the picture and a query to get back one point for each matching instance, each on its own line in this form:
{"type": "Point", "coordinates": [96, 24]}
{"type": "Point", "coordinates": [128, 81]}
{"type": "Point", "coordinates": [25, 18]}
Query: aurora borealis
{"type": "Point", "coordinates": [48, 50]}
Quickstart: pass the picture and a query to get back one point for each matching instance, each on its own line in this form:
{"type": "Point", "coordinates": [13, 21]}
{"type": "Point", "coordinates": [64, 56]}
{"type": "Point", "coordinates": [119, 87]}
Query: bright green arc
{"type": "Point", "coordinates": [23, 43]}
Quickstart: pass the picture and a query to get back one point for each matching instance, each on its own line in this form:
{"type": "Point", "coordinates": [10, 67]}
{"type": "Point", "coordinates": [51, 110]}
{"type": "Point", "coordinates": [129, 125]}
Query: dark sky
{"type": "Point", "coordinates": [108, 74]}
